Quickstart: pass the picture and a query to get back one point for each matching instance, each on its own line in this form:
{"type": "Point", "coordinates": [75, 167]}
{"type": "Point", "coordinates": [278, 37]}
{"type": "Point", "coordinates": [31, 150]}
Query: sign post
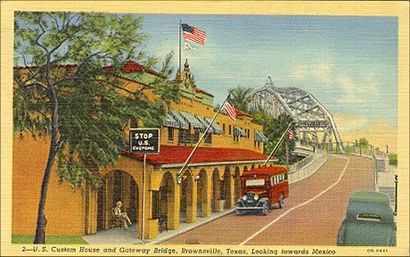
{"type": "Point", "coordinates": [145, 141]}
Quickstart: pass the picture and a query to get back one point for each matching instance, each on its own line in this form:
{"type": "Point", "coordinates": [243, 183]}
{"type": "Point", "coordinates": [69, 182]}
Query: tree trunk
{"type": "Point", "coordinates": [41, 220]}
{"type": "Point", "coordinates": [54, 148]}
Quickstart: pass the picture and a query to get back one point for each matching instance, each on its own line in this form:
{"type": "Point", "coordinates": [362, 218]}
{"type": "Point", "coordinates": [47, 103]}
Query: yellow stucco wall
{"type": "Point", "coordinates": [64, 210]}
{"type": "Point", "coordinates": [72, 211]}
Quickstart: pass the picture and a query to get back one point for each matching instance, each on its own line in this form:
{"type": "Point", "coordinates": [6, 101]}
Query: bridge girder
{"type": "Point", "coordinates": [307, 112]}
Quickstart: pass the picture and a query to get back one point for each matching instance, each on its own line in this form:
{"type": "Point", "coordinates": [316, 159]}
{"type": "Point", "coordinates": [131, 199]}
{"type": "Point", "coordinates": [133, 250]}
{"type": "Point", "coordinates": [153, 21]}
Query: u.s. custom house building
{"type": "Point", "coordinates": [210, 182]}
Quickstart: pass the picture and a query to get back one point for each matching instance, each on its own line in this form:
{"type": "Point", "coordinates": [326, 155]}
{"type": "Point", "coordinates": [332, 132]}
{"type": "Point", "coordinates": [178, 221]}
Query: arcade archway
{"type": "Point", "coordinates": [118, 185]}
{"type": "Point", "coordinates": [202, 194]}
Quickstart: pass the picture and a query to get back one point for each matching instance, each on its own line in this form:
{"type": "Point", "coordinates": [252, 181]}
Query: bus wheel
{"type": "Point", "coordinates": [281, 201]}
{"type": "Point", "coordinates": [265, 209]}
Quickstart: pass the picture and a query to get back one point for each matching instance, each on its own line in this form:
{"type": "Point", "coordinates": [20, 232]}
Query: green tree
{"type": "Point", "coordinates": [273, 128]}
{"type": "Point", "coordinates": [82, 108]}
{"type": "Point", "coordinates": [363, 142]}
{"type": "Point", "coordinates": [242, 97]}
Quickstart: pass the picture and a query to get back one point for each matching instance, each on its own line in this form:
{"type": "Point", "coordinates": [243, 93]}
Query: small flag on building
{"type": "Point", "coordinates": [229, 108]}
{"type": "Point", "coordinates": [193, 34]}
{"type": "Point", "coordinates": [290, 134]}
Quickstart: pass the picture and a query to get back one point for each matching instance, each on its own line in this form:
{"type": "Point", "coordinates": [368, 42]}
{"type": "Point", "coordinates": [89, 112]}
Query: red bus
{"type": "Point", "coordinates": [261, 188]}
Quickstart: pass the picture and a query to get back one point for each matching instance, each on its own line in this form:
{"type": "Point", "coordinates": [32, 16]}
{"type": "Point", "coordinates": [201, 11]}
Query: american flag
{"type": "Point", "coordinates": [193, 34]}
{"type": "Point", "coordinates": [229, 108]}
{"type": "Point", "coordinates": [290, 134]}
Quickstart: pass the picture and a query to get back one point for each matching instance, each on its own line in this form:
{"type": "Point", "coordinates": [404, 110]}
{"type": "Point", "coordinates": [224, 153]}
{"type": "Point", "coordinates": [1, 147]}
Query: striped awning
{"type": "Point", "coordinates": [169, 121]}
{"type": "Point", "coordinates": [178, 117]}
{"type": "Point", "coordinates": [239, 132]}
{"type": "Point", "coordinates": [190, 118]}
{"type": "Point", "coordinates": [260, 137]}
{"type": "Point", "coordinates": [217, 129]}
{"type": "Point", "coordinates": [205, 123]}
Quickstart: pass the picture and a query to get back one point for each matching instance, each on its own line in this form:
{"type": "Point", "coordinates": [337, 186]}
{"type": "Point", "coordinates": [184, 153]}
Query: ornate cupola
{"type": "Point", "coordinates": [188, 87]}
{"type": "Point", "coordinates": [186, 66]}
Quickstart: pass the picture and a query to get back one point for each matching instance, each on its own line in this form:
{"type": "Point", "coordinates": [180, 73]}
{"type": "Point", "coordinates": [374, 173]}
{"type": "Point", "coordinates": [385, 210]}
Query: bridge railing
{"type": "Point", "coordinates": [384, 178]}
{"type": "Point", "coordinates": [306, 167]}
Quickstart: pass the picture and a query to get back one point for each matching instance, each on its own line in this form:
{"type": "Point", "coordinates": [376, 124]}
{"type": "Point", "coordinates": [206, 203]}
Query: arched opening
{"type": "Point", "coordinates": [216, 189]}
{"type": "Point", "coordinates": [186, 196]}
{"type": "Point", "coordinates": [226, 189]}
{"type": "Point", "coordinates": [164, 202]}
{"type": "Point", "coordinates": [202, 193]}
{"type": "Point", "coordinates": [253, 166]}
{"type": "Point", "coordinates": [117, 186]}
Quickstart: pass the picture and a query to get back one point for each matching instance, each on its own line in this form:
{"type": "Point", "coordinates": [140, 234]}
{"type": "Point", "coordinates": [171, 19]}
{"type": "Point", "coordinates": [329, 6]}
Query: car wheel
{"type": "Point", "coordinates": [265, 209]}
{"type": "Point", "coordinates": [238, 212]}
{"type": "Point", "coordinates": [281, 201]}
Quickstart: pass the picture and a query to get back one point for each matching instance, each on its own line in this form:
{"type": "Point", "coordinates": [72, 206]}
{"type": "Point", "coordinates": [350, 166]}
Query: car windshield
{"type": "Point", "coordinates": [255, 182]}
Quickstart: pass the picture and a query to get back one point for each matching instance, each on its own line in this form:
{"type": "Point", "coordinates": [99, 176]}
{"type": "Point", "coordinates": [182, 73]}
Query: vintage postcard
{"type": "Point", "coordinates": [204, 128]}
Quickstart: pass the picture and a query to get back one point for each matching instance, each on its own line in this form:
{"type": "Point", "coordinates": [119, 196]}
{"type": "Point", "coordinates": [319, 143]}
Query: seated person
{"type": "Point", "coordinates": [120, 214]}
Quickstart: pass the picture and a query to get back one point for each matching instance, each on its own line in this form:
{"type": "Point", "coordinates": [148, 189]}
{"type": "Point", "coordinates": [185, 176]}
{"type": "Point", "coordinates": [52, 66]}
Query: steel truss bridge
{"type": "Point", "coordinates": [314, 125]}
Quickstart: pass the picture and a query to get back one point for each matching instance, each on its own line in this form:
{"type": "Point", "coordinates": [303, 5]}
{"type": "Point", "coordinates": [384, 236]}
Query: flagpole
{"type": "Point", "coordinates": [179, 49]}
{"type": "Point", "coordinates": [200, 140]}
{"type": "Point", "coordinates": [277, 145]}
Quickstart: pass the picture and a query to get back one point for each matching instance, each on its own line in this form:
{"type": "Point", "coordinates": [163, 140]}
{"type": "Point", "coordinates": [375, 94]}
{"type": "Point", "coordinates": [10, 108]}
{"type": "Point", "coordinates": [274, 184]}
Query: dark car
{"type": "Point", "coordinates": [369, 221]}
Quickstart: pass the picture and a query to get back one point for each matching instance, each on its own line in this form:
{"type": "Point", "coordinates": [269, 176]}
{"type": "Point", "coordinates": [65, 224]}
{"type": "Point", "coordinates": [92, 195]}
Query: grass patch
{"type": "Point", "coordinates": [49, 240]}
{"type": "Point", "coordinates": [393, 159]}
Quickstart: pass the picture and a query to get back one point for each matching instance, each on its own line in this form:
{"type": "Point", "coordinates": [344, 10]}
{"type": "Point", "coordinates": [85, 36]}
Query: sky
{"type": "Point", "coordinates": [348, 63]}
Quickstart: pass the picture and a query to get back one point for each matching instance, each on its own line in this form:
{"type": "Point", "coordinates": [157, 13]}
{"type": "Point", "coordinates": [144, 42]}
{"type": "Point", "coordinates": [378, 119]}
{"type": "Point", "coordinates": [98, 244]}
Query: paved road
{"type": "Point", "coordinates": [312, 215]}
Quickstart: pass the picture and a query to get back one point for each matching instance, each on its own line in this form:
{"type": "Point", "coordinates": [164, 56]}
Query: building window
{"type": "Point", "coordinates": [230, 129]}
{"type": "Point", "coordinates": [223, 128]}
{"type": "Point", "coordinates": [170, 134]}
{"type": "Point", "coordinates": [195, 136]}
{"type": "Point", "coordinates": [183, 137]}
{"type": "Point", "coordinates": [254, 144]}
{"type": "Point", "coordinates": [236, 138]}
{"type": "Point", "coordinates": [259, 144]}
{"type": "Point", "coordinates": [208, 138]}
{"type": "Point", "coordinates": [134, 123]}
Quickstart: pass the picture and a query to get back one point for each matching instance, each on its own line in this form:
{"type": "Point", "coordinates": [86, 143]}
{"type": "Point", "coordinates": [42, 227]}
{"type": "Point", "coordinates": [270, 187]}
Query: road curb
{"type": "Point", "coordinates": [190, 228]}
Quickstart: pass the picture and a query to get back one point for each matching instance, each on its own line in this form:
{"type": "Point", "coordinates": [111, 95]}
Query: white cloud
{"type": "Point", "coordinates": [299, 72]}
{"type": "Point", "coordinates": [357, 91]}
{"type": "Point", "coordinates": [321, 72]}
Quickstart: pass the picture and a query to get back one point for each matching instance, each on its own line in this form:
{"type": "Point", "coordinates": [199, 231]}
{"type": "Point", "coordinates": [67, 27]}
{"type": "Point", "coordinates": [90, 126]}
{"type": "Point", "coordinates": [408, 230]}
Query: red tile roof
{"type": "Point", "coordinates": [132, 66]}
{"type": "Point", "coordinates": [178, 154]}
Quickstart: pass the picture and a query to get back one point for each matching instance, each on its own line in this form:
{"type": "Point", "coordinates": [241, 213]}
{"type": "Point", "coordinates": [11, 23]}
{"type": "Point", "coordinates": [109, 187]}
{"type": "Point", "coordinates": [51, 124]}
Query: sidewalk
{"type": "Point", "coordinates": [184, 227]}
{"type": "Point", "coordinates": [129, 236]}
{"type": "Point", "coordinates": [385, 182]}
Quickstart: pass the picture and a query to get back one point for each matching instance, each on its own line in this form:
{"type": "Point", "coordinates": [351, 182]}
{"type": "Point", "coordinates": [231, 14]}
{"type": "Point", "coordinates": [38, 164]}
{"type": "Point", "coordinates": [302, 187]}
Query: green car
{"type": "Point", "coordinates": [369, 221]}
